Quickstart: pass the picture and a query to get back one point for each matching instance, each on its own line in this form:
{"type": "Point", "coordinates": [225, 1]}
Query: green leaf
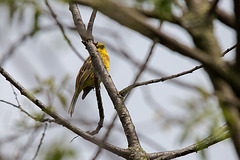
{"type": "Point", "coordinates": [62, 99]}
{"type": "Point", "coordinates": [164, 8]}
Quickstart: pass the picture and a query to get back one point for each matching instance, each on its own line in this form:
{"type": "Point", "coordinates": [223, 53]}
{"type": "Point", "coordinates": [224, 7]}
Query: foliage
{"type": "Point", "coordinates": [199, 110]}
{"type": "Point", "coordinates": [58, 151]}
{"type": "Point", "coordinates": [162, 8]}
{"type": "Point", "coordinates": [50, 89]}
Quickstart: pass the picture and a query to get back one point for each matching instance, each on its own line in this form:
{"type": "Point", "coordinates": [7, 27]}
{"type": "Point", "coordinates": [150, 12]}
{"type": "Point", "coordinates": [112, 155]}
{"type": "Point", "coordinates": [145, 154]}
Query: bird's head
{"type": "Point", "coordinates": [100, 46]}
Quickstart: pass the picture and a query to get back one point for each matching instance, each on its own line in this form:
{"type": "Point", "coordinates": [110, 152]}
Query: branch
{"type": "Point", "coordinates": [106, 136]}
{"type": "Point", "coordinates": [124, 91]}
{"type": "Point", "coordinates": [78, 21]}
{"type": "Point", "coordinates": [62, 30]}
{"type": "Point", "coordinates": [136, 21]}
{"type": "Point", "coordinates": [41, 141]}
{"type": "Point", "coordinates": [90, 24]}
{"type": "Point", "coordinates": [219, 135]}
{"type": "Point", "coordinates": [135, 62]}
{"type": "Point", "coordinates": [143, 66]}
{"type": "Point", "coordinates": [130, 18]}
{"type": "Point", "coordinates": [237, 29]}
{"type": "Point", "coordinates": [9, 53]}
{"type": "Point", "coordinates": [225, 17]}
{"type": "Point", "coordinates": [28, 114]}
{"type": "Point", "coordinates": [100, 107]}
{"type": "Point", "coordinates": [120, 107]}
{"type": "Point", "coordinates": [61, 121]}
{"type": "Point", "coordinates": [213, 7]}
{"type": "Point", "coordinates": [123, 114]}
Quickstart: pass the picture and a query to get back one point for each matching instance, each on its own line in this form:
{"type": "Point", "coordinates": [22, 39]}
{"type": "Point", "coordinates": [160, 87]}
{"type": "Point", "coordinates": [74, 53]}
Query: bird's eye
{"type": "Point", "coordinates": [100, 46]}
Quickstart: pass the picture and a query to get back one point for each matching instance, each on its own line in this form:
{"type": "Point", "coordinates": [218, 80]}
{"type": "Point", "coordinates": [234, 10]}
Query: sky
{"type": "Point", "coordinates": [47, 54]}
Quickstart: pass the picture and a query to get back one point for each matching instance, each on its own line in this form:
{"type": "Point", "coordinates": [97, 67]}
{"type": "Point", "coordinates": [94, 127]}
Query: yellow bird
{"type": "Point", "coordinates": [85, 77]}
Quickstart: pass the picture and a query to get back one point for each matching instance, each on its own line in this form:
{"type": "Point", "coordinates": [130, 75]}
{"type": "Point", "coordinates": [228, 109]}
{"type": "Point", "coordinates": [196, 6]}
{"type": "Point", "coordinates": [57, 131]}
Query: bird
{"type": "Point", "coordinates": [85, 77]}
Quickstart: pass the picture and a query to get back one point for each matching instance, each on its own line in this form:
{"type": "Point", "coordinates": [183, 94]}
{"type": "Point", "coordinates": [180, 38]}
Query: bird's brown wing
{"type": "Point", "coordinates": [85, 71]}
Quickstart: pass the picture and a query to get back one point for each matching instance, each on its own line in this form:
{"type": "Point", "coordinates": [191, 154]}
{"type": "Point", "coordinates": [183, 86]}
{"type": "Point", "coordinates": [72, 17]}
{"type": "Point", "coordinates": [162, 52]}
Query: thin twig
{"type": "Point", "coordinates": [61, 121]}
{"type": "Point", "coordinates": [28, 114]}
{"type": "Point", "coordinates": [124, 91]}
{"type": "Point", "coordinates": [142, 68]}
{"type": "Point", "coordinates": [41, 141]}
{"type": "Point", "coordinates": [220, 134]}
{"type": "Point", "coordinates": [62, 30]}
{"type": "Point", "coordinates": [90, 25]}
{"type": "Point", "coordinates": [9, 53]}
{"type": "Point", "coordinates": [105, 136]}
{"type": "Point", "coordinates": [100, 107]}
{"type": "Point", "coordinates": [27, 145]}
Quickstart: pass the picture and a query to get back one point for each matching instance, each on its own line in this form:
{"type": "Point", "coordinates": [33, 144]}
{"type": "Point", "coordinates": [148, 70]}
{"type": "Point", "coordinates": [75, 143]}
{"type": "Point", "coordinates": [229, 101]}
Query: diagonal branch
{"type": "Point", "coordinates": [60, 120]}
{"type": "Point", "coordinates": [104, 76]}
{"type": "Point", "coordinates": [41, 141]}
{"type": "Point", "coordinates": [62, 30]}
{"type": "Point", "coordinates": [219, 135]}
{"type": "Point", "coordinates": [124, 91]}
{"type": "Point", "coordinates": [136, 21]}
{"type": "Point", "coordinates": [225, 17]}
{"type": "Point", "coordinates": [143, 66]}
{"type": "Point", "coordinates": [120, 107]}
{"type": "Point", "coordinates": [78, 21]}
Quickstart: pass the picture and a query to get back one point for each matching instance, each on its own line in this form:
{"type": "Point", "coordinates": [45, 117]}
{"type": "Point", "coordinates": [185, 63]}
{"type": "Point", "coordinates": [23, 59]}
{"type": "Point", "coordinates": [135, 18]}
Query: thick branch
{"type": "Point", "coordinates": [237, 28]}
{"type": "Point", "coordinates": [132, 19]}
{"type": "Point", "coordinates": [78, 21]}
{"type": "Point", "coordinates": [125, 118]}
{"type": "Point", "coordinates": [121, 109]}
{"type": "Point", "coordinates": [225, 17]}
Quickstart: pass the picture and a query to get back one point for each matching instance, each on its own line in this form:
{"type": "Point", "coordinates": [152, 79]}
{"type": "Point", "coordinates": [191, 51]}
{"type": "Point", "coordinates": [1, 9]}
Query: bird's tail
{"type": "Point", "coordinates": [73, 102]}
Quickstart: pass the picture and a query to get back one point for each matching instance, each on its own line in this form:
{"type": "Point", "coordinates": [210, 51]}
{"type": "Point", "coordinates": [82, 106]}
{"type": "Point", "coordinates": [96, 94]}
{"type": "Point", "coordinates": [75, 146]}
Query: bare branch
{"type": "Point", "coordinates": [41, 141]}
{"type": "Point", "coordinates": [237, 29]}
{"type": "Point", "coordinates": [225, 17]}
{"type": "Point", "coordinates": [13, 47]}
{"type": "Point", "coordinates": [26, 146]}
{"type": "Point", "coordinates": [62, 30]}
{"type": "Point", "coordinates": [78, 21]}
{"type": "Point", "coordinates": [28, 114]}
{"type": "Point", "coordinates": [134, 20]}
{"type": "Point", "coordinates": [143, 66]}
{"type": "Point", "coordinates": [106, 136]}
{"type": "Point", "coordinates": [90, 25]}
{"type": "Point", "coordinates": [124, 91]}
{"type": "Point", "coordinates": [213, 7]}
{"type": "Point", "coordinates": [100, 107]}
{"type": "Point", "coordinates": [104, 76]}
{"type": "Point", "coordinates": [61, 121]}
{"type": "Point", "coordinates": [120, 107]}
